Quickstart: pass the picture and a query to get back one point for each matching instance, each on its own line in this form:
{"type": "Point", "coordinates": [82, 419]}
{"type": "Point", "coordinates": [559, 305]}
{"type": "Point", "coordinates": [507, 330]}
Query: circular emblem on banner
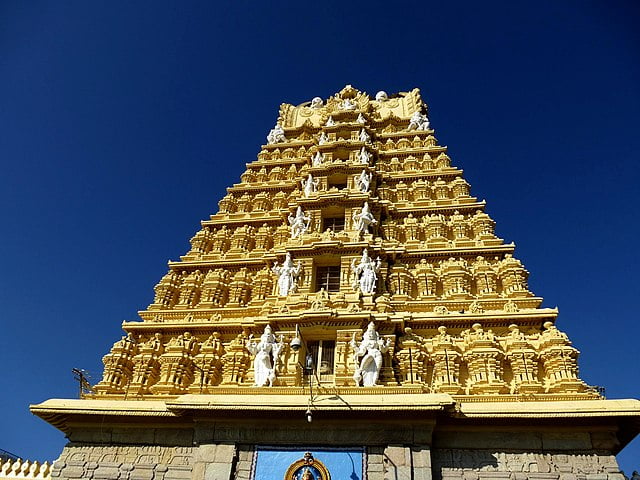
{"type": "Point", "coordinates": [307, 468]}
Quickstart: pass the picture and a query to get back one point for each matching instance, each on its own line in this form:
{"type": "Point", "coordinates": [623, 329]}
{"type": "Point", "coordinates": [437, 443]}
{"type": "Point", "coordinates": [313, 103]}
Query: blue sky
{"type": "Point", "coordinates": [121, 125]}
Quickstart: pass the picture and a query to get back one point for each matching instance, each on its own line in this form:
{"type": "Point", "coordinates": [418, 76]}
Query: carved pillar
{"type": "Point", "coordinates": [400, 281]}
{"type": "Point", "coordinates": [513, 277]}
{"type": "Point", "coordinates": [456, 279]}
{"type": "Point", "coordinates": [412, 359]}
{"type": "Point", "coordinates": [208, 361]}
{"type": "Point", "coordinates": [485, 279]}
{"type": "Point", "coordinates": [235, 362]}
{"type": "Point", "coordinates": [524, 362]}
{"type": "Point", "coordinates": [240, 288]}
{"type": "Point", "coordinates": [118, 366]}
{"type": "Point", "coordinates": [146, 367]}
{"type": "Point", "coordinates": [166, 291]}
{"type": "Point", "coordinates": [560, 362]}
{"type": "Point", "coordinates": [484, 362]}
{"type": "Point", "coordinates": [176, 365]}
{"type": "Point", "coordinates": [190, 290]}
{"type": "Point", "coordinates": [446, 357]}
{"type": "Point", "coordinates": [426, 280]}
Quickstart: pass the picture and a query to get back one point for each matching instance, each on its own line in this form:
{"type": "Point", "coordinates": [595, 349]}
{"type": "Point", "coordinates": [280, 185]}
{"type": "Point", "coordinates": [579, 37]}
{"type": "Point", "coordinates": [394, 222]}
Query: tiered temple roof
{"type": "Point", "coordinates": [352, 225]}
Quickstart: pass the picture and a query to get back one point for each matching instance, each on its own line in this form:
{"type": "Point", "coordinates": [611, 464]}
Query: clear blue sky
{"type": "Point", "coordinates": [121, 125]}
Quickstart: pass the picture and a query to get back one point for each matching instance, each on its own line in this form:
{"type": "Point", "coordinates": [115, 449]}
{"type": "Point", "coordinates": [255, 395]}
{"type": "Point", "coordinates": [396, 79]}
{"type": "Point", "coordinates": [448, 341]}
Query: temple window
{"type": "Point", "coordinates": [322, 359]}
{"type": "Point", "coordinates": [328, 277]}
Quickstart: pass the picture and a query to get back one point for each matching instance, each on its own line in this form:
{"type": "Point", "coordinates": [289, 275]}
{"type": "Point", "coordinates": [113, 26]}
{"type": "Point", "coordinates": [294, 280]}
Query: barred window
{"type": "Point", "coordinates": [334, 223]}
{"type": "Point", "coordinates": [328, 278]}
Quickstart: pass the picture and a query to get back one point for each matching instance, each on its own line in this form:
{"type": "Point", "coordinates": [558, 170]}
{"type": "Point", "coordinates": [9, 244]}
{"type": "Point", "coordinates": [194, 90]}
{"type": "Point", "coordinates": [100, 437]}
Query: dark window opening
{"type": "Point", "coordinates": [322, 355]}
{"type": "Point", "coordinates": [336, 224]}
{"type": "Point", "coordinates": [328, 278]}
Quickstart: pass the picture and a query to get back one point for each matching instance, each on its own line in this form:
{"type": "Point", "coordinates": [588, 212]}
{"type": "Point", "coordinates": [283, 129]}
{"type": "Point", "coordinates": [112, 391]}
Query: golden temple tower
{"type": "Point", "coordinates": [348, 311]}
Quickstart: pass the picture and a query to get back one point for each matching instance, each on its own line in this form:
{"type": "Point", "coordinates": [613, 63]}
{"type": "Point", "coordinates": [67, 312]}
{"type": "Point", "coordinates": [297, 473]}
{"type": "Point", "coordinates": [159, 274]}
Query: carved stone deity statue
{"type": "Point", "coordinates": [370, 349]}
{"type": "Point", "coordinates": [309, 186]}
{"type": "Point", "coordinates": [288, 275]}
{"type": "Point", "coordinates": [418, 121]}
{"type": "Point", "coordinates": [361, 119]}
{"type": "Point", "coordinates": [322, 139]}
{"type": "Point", "coordinates": [330, 122]}
{"type": "Point", "coordinates": [363, 181]}
{"type": "Point", "coordinates": [364, 157]}
{"type": "Point", "coordinates": [381, 96]}
{"type": "Point", "coordinates": [276, 135]}
{"type": "Point", "coordinates": [316, 102]}
{"type": "Point", "coordinates": [266, 353]}
{"type": "Point", "coordinates": [318, 159]}
{"type": "Point", "coordinates": [362, 220]}
{"type": "Point", "coordinates": [364, 136]}
{"type": "Point", "coordinates": [299, 223]}
{"type": "Point", "coordinates": [365, 273]}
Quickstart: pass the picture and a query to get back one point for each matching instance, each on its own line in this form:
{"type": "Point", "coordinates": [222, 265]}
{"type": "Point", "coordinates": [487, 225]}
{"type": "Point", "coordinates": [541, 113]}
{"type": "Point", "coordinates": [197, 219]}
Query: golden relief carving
{"type": "Point", "coordinates": [358, 192]}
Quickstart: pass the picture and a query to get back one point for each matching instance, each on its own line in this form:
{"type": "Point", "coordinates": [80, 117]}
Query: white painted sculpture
{"type": "Point", "coordinates": [309, 186]}
{"type": "Point", "coordinates": [364, 156]}
{"type": "Point", "coordinates": [276, 134]}
{"type": "Point", "coordinates": [370, 349]}
{"type": "Point", "coordinates": [362, 220]}
{"type": "Point", "coordinates": [288, 275]}
{"type": "Point", "coordinates": [266, 353]}
{"type": "Point", "coordinates": [318, 159]}
{"type": "Point", "coordinates": [381, 96]}
{"type": "Point", "coordinates": [316, 102]}
{"type": "Point", "coordinates": [363, 181]}
{"type": "Point", "coordinates": [323, 139]}
{"type": "Point", "coordinates": [361, 119]}
{"type": "Point", "coordinates": [418, 121]}
{"type": "Point", "coordinates": [347, 104]}
{"type": "Point", "coordinates": [299, 223]}
{"type": "Point", "coordinates": [365, 273]}
{"type": "Point", "coordinates": [330, 122]}
{"type": "Point", "coordinates": [364, 136]}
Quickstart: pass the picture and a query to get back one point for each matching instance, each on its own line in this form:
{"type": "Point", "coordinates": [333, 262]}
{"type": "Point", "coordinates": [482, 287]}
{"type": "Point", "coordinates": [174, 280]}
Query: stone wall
{"type": "Point", "coordinates": [139, 462]}
{"type": "Point", "coordinates": [398, 462]}
{"type": "Point", "coordinates": [477, 464]}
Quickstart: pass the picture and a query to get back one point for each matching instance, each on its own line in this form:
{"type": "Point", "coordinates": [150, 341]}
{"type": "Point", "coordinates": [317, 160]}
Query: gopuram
{"type": "Point", "coordinates": [348, 313]}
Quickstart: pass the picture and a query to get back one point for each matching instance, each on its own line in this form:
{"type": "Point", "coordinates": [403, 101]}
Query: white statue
{"type": "Point", "coordinates": [364, 156]}
{"type": "Point", "coordinates": [309, 186]}
{"type": "Point", "coordinates": [364, 136]}
{"type": "Point", "coordinates": [347, 104]}
{"type": "Point", "coordinates": [299, 223]}
{"type": "Point", "coordinates": [365, 273]}
{"type": "Point", "coordinates": [381, 96]}
{"type": "Point", "coordinates": [370, 349]}
{"type": "Point", "coordinates": [276, 134]}
{"type": "Point", "coordinates": [363, 181]}
{"type": "Point", "coordinates": [316, 102]}
{"type": "Point", "coordinates": [362, 220]}
{"type": "Point", "coordinates": [361, 119]}
{"type": "Point", "coordinates": [266, 361]}
{"type": "Point", "coordinates": [330, 122]}
{"type": "Point", "coordinates": [418, 121]}
{"type": "Point", "coordinates": [288, 275]}
{"type": "Point", "coordinates": [323, 139]}
{"type": "Point", "coordinates": [318, 159]}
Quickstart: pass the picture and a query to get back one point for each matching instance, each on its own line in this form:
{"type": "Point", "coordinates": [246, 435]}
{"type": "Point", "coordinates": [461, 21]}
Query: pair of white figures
{"type": "Point", "coordinates": [365, 274]}
{"type": "Point", "coordinates": [367, 372]}
{"type": "Point", "coordinates": [362, 220]}
{"type": "Point", "coordinates": [362, 182]}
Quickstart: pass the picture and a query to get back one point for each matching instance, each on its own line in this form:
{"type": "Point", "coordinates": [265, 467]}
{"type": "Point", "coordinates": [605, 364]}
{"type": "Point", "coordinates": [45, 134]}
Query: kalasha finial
{"type": "Point", "coordinates": [348, 92]}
